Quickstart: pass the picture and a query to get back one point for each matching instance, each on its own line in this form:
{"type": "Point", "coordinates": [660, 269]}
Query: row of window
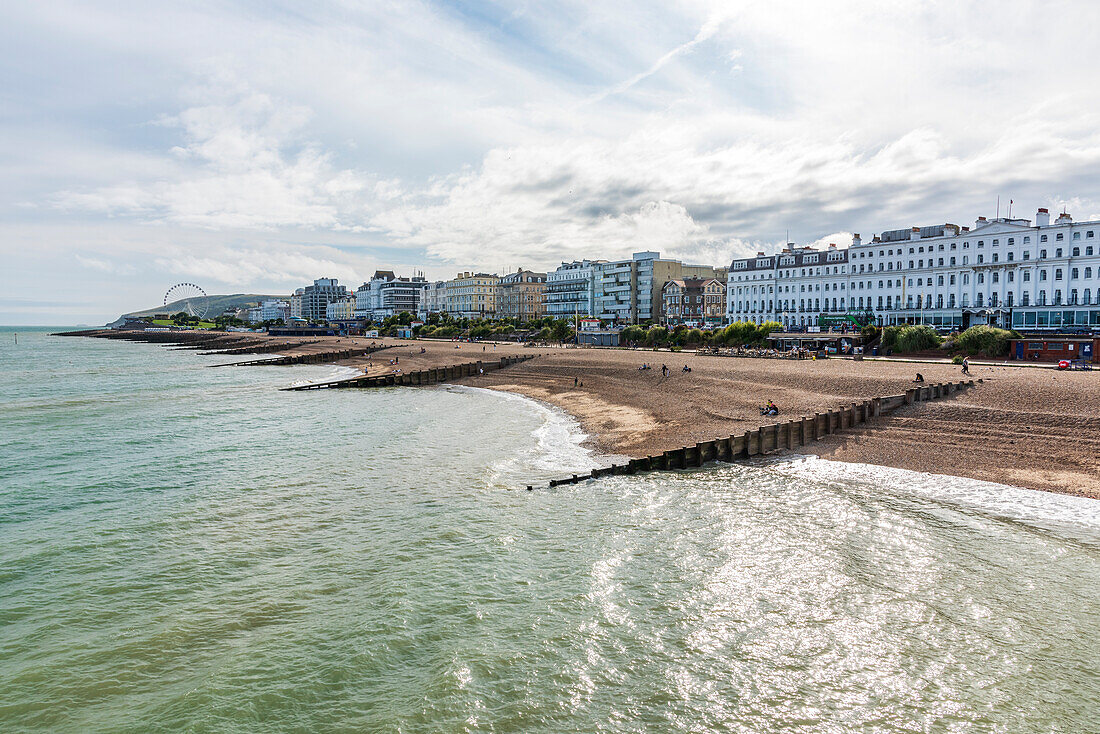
{"type": "Point", "coordinates": [919, 301]}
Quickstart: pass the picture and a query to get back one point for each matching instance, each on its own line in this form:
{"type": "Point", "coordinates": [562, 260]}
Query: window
{"type": "Point", "coordinates": [1027, 240]}
{"type": "Point", "coordinates": [1076, 235]}
{"type": "Point", "coordinates": [1042, 253]}
{"type": "Point", "coordinates": [1011, 276]}
{"type": "Point", "coordinates": [939, 280]}
{"type": "Point", "coordinates": [996, 277]}
{"type": "Point", "coordinates": [1057, 273]}
{"type": "Point", "coordinates": [964, 259]}
{"type": "Point", "coordinates": [981, 243]}
{"type": "Point", "coordinates": [1027, 255]}
{"type": "Point", "coordinates": [966, 278]}
{"type": "Point", "coordinates": [1012, 240]}
{"type": "Point", "coordinates": [1027, 276]}
{"type": "Point", "coordinates": [940, 263]}
{"type": "Point", "coordinates": [1059, 237]}
{"type": "Point", "coordinates": [981, 277]}
{"type": "Point", "coordinates": [1077, 250]}
{"type": "Point", "coordinates": [952, 279]}
{"type": "Point", "coordinates": [1088, 273]}
{"type": "Point", "coordinates": [1074, 273]}
{"type": "Point", "coordinates": [1042, 275]}
{"type": "Point", "coordinates": [1042, 238]}
{"type": "Point", "coordinates": [1010, 254]}
{"type": "Point", "coordinates": [952, 262]}
{"type": "Point", "coordinates": [980, 256]}
{"type": "Point", "coordinates": [1058, 252]}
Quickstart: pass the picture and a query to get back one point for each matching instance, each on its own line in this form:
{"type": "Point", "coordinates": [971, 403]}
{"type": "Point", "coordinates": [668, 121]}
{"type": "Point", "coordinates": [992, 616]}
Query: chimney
{"type": "Point", "coordinates": [966, 229]}
{"type": "Point", "coordinates": [760, 254]}
{"type": "Point", "coordinates": [914, 234]}
{"type": "Point", "coordinates": [1063, 218]}
{"type": "Point", "coordinates": [832, 246]}
{"type": "Point", "coordinates": [950, 230]}
{"type": "Point", "coordinates": [981, 221]}
{"type": "Point", "coordinates": [1042, 218]}
{"type": "Point", "coordinates": [855, 240]}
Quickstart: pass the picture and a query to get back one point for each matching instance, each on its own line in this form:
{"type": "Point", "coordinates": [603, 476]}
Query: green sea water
{"type": "Point", "coordinates": [184, 548]}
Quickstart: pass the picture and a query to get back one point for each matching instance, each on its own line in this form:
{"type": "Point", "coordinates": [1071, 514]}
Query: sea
{"type": "Point", "coordinates": [183, 547]}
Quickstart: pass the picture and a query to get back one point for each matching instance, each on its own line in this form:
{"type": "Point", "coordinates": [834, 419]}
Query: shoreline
{"type": "Point", "coordinates": [1030, 428]}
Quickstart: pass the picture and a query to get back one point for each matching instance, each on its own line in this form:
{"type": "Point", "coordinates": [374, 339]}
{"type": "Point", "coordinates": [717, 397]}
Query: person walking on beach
{"type": "Point", "coordinates": [966, 365]}
{"type": "Point", "coordinates": [574, 382]}
{"type": "Point", "coordinates": [664, 370]}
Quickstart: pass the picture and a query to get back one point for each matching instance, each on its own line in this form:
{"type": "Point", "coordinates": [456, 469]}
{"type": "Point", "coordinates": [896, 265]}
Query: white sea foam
{"type": "Point", "coordinates": [558, 447]}
{"type": "Point", "coordinates": [1078, 517]}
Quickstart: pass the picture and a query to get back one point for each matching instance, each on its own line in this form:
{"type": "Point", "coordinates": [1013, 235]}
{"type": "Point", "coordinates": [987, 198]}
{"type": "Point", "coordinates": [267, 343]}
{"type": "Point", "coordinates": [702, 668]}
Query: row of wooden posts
{"type": "Point", "coordinates": [428, 376]}
{"type": "Point", "coordinates": [766, 439]}
{"type": "Point", "coordinates": [262, 347]}
{"type": "Point", "coordinates": [309, 358]}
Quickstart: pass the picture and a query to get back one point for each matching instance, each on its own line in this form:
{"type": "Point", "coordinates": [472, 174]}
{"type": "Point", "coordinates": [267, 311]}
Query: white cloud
{"type": "Point", "coordinates": [248, 144]}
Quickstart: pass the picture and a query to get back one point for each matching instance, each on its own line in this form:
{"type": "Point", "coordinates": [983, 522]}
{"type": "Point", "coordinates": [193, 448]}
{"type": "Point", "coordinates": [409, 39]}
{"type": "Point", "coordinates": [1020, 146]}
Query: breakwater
{"type": "Point", "coordinates": [333, 355]}
{"type": "Point", "coordinates": [767, 439]}
{"type": "Point", "coordinates": [429, 376]}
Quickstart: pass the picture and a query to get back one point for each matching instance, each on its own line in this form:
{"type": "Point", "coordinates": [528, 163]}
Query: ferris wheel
{"type": "Point", "coordinates": [190, 298]}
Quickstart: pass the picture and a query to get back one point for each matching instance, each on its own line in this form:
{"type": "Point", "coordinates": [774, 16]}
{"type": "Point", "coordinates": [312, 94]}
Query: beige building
{"type": "Point", "coordinates": [472, 295]}
{"type": "Point", "coordinates": [522, 295]}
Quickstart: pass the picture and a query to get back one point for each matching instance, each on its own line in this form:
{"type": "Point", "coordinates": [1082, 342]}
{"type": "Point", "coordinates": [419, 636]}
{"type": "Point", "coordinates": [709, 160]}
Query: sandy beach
{"type": "Point", "coordinates": [1036, 428]}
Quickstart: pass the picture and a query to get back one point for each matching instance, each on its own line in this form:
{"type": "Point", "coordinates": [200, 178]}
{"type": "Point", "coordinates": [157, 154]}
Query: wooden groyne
{"type": "Point", "coordinates": [770, 438]}
{"type": "Point", "coordinates": [308, 358]}
{"type": "Point", "coordinates": [261, 346]}
{"type": "Point", "coordinates": [428, 376]}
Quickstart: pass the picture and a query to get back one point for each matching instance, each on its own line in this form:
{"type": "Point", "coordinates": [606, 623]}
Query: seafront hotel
{"type": "Point", "coordinates": [1003, 272]}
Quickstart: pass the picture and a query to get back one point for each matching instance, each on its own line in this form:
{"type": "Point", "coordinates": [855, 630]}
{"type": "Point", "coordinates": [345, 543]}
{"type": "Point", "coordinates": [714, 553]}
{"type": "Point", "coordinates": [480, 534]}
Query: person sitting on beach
{"type": "Point", "coordinates": [920, 378]}
{"type": "Point", "coordinates": [686, 368]}
{"type": "Point", "coordinates": [770, 409]}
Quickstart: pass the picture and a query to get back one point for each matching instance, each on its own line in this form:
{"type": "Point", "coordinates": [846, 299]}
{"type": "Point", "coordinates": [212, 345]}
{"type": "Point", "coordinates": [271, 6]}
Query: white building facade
{"type": "Point", "coordinates": [433, 299]}
{"type": "Point", "coordinates": [388, 295]}
{"type": "Point", "coordinates": [571, 289]}
{"type": "Point", "coordinates": [1004, 272]}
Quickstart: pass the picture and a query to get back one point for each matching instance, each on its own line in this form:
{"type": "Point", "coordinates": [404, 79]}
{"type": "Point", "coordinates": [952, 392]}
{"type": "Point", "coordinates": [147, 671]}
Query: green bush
{"type": "Point", "coordinates": [911, 338]}
{"type": "Point", "coordinates": [985, 340]}
{"type": "Point", "coordinates": [656, 336]}
{"type": "Point", "coordinates": [694, 336]}
{"type": "Point", "coordinates": [676, 349]}
{"type": "Point", "coordinates": [634, 334]}
{"type": "Point", "coordinates": [870, 332]}
{"type": "Point", "coordinates": [957, 359]}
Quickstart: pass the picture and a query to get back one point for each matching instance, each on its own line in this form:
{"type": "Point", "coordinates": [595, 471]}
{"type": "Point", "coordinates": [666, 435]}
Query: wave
{"type": "Point", "coordinates": [1076, 517]}
{"type": "Point", "coordinates": [558, 445]}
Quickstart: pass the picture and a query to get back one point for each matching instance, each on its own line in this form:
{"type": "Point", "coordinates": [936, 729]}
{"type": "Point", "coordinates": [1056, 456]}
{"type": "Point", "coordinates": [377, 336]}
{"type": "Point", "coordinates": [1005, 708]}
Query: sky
{"type": "Point", "coordinates": [250, 147]}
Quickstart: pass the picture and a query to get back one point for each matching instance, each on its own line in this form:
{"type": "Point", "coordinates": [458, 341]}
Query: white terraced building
{"type": "Point", "coordinates": [1003, 272]}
